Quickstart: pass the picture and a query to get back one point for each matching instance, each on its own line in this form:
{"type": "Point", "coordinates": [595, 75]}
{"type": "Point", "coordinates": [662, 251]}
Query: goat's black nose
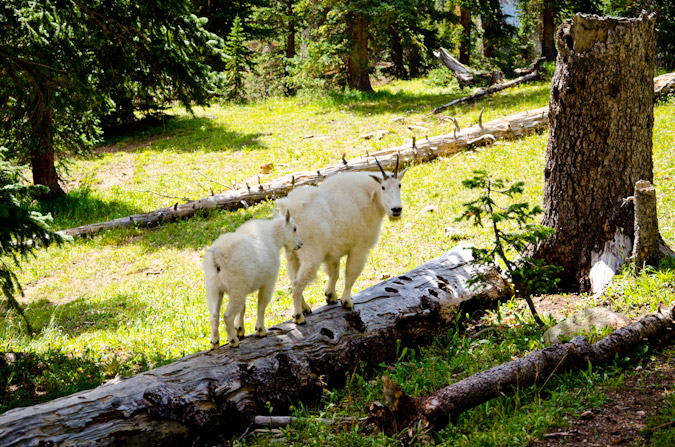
{"type": "Point", "coordinates": [396, 211]}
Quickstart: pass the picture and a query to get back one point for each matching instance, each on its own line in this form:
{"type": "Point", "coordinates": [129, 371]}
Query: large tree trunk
{"type": "Point", "coordinates": [547, 32]}
{"type": "Point", "coordinates": [435, 411]}
{"type": "Point", "coordinates": [600, 144]}
{"type": "Point", "coordinates": [218, 393]}
{"type": "Point", "coordinates": [414, 60]}
{"type": "Point", "coordinates": [43, 161]}
{"type": "Point", "coordinates": [491, 19]}
{"type": "Point", "coordinates": [465, 40]}
{"type": "Point", "coordinates": [289, 90]}
{"type": "Point", "coordinates": [358, 65]}
{"type": "Point", "coordinates": [548, 49]}
{"type": "Point", "coordinates": [396, 49]}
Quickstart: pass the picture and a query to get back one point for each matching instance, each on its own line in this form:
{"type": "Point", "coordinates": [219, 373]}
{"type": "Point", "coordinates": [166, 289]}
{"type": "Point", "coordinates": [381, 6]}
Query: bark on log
{"type": "Point", "coordinates": [405, 414]}
{"type": "Point", "coordinates": [463, 74]}
{"type": "Point", "coordinates": [600, 144]}
{"type": "Point", "coordinates": [220, 392]}
{"type": "Point", "coordinates": [490, 90]}
{"type": "Point", "coordinates": [511, 126]}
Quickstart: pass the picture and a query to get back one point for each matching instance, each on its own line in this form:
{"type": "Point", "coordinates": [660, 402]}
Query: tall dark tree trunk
{"type": "Point", "coordinates": [43, 162]}
{"type": "Point", "coordinates": [548, 32]}
{"type": "Point", "coordinates": [289, 90]}
{"type": "Point", "coordinates": [492, 20]}
{"type": "Point", "coordinates": [397, 52]}
{"type": "Point", "coordinates": [465, 41]}
{"type": "Point", "coordinates": [414, 61]}
{"type": "Point", "coordinates": [358, 66]}
{"type": "Point", "coordinates": [600, 138]}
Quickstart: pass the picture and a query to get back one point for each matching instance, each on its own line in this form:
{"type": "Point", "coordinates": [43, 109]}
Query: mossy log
{"type": "Point", "coordinates": [218, 393]}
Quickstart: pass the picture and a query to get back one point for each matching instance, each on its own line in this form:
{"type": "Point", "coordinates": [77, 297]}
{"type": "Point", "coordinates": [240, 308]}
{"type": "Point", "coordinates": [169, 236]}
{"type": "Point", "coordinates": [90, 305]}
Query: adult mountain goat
{"type": "Point", "coordinates": [242, 262]}
{"type": "Point", "coordinates": [341, 217]}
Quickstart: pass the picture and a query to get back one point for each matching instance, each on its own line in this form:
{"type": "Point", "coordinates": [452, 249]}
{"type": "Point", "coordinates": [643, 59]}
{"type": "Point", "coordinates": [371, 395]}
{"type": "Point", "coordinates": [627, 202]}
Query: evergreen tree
{"type": "Point", "coordinates": [66, 64]}
{"type": "Point", "coordinates": [21, 230]}
{"type": "Point", "coordinates": [236, 55]}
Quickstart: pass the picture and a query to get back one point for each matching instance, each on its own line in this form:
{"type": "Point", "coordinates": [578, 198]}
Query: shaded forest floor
{"type": "Point", "coordinates": [634, 412]}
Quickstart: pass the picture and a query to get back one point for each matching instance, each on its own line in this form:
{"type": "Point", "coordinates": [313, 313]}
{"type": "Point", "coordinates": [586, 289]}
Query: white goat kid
{"type": "Point", "coordinates": [341, 217]}
{"type": "Point", "coordinates": [242, 262]}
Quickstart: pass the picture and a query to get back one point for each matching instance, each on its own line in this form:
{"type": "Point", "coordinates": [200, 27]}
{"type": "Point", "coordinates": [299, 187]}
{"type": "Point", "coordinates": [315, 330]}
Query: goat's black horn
{"type": "Point", "coordinates": [384, 174]}
{"type": "Point", "coordinates": [396, 170]}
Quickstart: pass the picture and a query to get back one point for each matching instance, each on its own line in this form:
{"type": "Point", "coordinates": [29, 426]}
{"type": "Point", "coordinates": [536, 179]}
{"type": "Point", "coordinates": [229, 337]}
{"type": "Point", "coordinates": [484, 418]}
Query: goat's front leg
{"type": "Point", "coordinates": [356, 260]}
{"type": "Point", "coordinates": [305, 275]}
{"type": "Point", "coordinates": [333, 271]}
{"type": "Point", "coordinates": [264, 298]}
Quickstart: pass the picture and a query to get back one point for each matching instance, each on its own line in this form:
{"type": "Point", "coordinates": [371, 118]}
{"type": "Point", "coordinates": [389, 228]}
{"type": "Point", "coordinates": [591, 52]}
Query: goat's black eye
{"type": "Point", "coordinates": [295, 229]}
{"type": "Point", "coordinates": [399, 186]}
{"type": "Point", "coordinates": [383, 188]}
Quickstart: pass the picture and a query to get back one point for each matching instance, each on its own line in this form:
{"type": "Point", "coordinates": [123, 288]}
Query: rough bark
{"type": "Point", "coordinates": [43, 161]}
{"type": "Point", "coordinates": [646, 248]}
{"type": "Point", "coordinates": [358, 68]}
{"type": "Point", "coordinates": [600, 138]}
{"type": "Point", "coordinates": [548, 49]}
{"type": "Point", "coordinates": [220, 392]}
{"type": "Point", "coordinates": [664, 85]}
{"type": "Point", "coordinates": [436, 410]}
{"type": "Point", "coordinates": [465, 40]}
{"type": "Point", "coordinates": [511, 126]}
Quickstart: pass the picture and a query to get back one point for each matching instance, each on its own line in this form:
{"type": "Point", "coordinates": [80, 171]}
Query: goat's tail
{"type": "Point", "coordinates": [217, 258]}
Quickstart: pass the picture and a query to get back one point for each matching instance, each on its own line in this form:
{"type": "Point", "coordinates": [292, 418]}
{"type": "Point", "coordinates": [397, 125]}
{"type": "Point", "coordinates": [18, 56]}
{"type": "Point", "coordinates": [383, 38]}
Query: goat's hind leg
{"type": "Point", "coordinates": [234, 308]}
{"type": "Point", "coordinates": [305, 275]}
{"type": "Point", "coordinates": [214, 301]}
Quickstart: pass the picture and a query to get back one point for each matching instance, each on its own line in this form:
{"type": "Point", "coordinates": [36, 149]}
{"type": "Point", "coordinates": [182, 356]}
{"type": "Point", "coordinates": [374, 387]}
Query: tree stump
{"type": "Point", "coordinates": [600, 139]}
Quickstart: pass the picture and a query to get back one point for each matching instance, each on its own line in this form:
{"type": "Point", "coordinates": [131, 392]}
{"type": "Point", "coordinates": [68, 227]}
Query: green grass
{"type": "Point", "coordinates": [132, 299]}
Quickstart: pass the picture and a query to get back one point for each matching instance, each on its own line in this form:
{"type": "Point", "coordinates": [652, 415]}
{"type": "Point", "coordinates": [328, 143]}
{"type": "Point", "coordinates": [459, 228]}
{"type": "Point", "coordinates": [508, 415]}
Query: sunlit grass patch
{"type": "Point", "coordinates": [130, 299]}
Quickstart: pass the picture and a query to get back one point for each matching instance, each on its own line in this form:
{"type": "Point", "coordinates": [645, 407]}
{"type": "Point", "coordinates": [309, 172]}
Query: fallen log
{"type": "Point", "coordinates": [219, 393]}
{"type": "Point", "coordinates": [534, 76]}
{"type": "Point", "coordinates": [511, 126]}
{"type": "Point", "coordinates": [460, 71]}
{"type": "Point", "coordinates": [406, 414]}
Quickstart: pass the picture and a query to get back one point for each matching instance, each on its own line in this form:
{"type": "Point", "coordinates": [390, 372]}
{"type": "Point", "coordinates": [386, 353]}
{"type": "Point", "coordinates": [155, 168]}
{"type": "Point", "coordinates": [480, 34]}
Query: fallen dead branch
{"type": "Point", "coordinates": [408, 415]}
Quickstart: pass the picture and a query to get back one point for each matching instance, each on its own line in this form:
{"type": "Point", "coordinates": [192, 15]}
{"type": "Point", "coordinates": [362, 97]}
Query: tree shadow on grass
{"type": "Point", "coordinates": [180, 134]}
{"type": "Point", "coordinates": [81, 207]}
{"type": "Point", "coordinates": [29, 378]}
{"type": "Point", "coordinates": [83, 315]}
{"type": "Point", "coordinates": [385, 101]}
{"type": "Point", "coordinates": [196, 232]}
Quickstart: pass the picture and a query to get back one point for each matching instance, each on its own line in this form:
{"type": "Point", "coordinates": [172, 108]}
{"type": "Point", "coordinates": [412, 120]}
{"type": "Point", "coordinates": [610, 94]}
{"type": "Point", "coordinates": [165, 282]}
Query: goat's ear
{"type": "Point", "coordinates": [376, 178]}
{"type": "Point", "coordinates": [400, 175]}
{"type": "Point", "coordinates": [288, 216]}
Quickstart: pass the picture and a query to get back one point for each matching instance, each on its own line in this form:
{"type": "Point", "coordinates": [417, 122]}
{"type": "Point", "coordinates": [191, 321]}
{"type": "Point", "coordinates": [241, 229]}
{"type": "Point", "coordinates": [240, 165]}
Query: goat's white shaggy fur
{"type": "Point", "coordinates": [242, 262]}
{"type": "Point", "coordinates": [341, 217]}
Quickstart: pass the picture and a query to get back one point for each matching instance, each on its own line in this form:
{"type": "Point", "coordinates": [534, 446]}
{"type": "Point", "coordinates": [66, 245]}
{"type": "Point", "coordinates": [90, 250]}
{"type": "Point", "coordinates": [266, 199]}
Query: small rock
{"type": "Point", "coordinates": [584, 322]}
